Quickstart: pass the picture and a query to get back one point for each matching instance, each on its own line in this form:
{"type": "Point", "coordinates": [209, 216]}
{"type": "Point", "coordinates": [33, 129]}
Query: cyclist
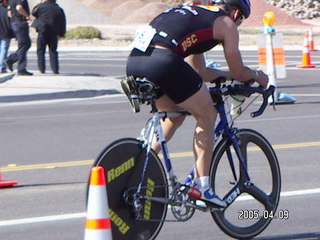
{"type": "Point", "coordinates": [170, 53]}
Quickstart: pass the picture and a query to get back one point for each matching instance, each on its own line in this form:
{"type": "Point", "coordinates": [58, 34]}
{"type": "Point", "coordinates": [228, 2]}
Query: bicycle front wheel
{"type": "Point", "coordinates": [123, 162]}
{"type": "Point", "coordinates": [251, 204]}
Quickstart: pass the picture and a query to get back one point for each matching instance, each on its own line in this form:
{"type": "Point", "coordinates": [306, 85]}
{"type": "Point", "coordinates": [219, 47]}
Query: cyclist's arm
{"type": "Point", "coordinates": [198, 63]}
{"type": "Point", "coordinates": [225, 30]}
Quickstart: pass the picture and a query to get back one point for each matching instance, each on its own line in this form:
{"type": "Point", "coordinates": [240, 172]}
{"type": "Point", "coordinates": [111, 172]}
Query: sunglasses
{"type": "Point", "coordinates": [241, 18]}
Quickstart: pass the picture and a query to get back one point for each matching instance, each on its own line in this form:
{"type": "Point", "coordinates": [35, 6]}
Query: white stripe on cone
{"type": "Point", "coordinates": [99, 208]}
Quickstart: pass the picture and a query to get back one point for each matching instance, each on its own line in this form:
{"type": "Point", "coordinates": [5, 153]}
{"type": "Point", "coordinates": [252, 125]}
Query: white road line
{"type": "Point", "coordinates": [83, 214]}
{"type": "Point", "coordinates": [286, 194]}
{"type": "Point", "coordinates": [42, 219]}
{"type": "Point", "coordinates": [306, 95]}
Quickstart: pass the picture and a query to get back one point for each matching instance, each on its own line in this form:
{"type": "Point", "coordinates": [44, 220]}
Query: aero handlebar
{"type": "Point", "coordinates": [246, 91]}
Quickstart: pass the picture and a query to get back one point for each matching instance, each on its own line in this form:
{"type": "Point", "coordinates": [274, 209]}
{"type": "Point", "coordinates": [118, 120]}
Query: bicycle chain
{"type": "Point", "coordinates": [170, 203]}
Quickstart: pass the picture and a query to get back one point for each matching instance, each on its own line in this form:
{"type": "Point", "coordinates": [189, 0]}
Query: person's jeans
{"type": "Point", "coordinates": [21, 31]}
{"type": "Point", "coordinates": [4, 47]}
{"type": "Point", "coordinates": [50, 39]}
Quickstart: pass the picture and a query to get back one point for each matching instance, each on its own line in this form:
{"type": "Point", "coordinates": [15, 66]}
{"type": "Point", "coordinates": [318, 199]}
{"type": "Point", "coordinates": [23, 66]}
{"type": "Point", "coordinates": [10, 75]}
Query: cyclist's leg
{"type": "Point", "coordinates": [200, 105]}
{"type": "Point", "coordinates": [169, 125]}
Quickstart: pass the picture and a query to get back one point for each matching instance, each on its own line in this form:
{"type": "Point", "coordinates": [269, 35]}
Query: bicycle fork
{"type": "Point", "coordinates": [231, 134]}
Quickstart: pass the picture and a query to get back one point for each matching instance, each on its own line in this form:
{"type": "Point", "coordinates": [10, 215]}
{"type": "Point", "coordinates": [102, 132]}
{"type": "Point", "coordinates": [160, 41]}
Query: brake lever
{"type": "Point", "coordinates": [269, 92]}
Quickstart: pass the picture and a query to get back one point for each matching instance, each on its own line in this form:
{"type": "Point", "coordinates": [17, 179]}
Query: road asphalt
{"type": "Point", "coordinates": [15, 88]}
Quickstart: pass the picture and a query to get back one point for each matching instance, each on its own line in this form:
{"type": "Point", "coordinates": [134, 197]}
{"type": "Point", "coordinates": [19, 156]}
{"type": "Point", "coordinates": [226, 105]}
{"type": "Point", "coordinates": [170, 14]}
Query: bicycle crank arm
{"type": "Point", "coordinates": [187, 204]}
{"type": "Point", "coordinates": [155, 199]}
{"type": "Point", "coordinates": [197, 207]}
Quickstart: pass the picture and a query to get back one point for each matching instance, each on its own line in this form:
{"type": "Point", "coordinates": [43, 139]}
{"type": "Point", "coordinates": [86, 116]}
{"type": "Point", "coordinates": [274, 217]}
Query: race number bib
{"type": "Point", "coordinates": [143, 37]}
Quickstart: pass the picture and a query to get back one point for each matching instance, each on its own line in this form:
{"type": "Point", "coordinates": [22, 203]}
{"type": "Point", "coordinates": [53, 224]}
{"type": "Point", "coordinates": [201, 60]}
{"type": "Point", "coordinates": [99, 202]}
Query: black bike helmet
{"type": "Point", "coordinates": [243, 5]}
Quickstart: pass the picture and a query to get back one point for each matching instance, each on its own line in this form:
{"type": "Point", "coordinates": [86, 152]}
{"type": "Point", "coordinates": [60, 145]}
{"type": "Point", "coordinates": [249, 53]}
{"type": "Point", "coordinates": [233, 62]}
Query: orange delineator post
{"type": "Point", "coordinates": [311, 41]}
{"type": "Point", "coordinates": [306, 58]}
{"type": "Point", "coordinates": [278, 56]}
{"type": "Point", "coordinates": [98, 222]}
{"type": "Point", "coordinates": [7, 183]}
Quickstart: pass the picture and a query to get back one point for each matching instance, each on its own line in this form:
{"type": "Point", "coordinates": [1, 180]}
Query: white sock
{"type": "Point", "coordinates": [202, 181]}
{"type": "Point", "coordinates": [197, 182]}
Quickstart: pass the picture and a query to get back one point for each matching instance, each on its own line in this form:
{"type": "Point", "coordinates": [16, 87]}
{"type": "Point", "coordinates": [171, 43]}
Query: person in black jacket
{"type": "Point", "coordinates": [50, 23]}
{"type": "Point", "coordinates": [6, 34]}
{"type": "Point", "coordinates": [20, 19]}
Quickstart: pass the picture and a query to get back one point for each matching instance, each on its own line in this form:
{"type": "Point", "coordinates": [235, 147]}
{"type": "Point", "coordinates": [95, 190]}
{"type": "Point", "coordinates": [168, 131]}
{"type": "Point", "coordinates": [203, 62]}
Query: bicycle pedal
{"type": "Point", "coordinates": [194, 193]}
{"type": "Point", "coordinates": [201, 203]}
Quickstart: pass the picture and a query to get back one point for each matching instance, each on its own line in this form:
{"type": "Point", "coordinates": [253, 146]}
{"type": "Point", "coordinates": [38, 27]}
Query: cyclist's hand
{"type": "Point", "coordinates": [262, 79]}
{"type": "Point", "coordinates": [250, 82]}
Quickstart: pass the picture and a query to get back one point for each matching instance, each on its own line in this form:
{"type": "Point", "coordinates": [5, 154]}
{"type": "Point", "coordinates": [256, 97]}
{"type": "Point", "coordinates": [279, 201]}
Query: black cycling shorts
{"type": "Point", "coordinates": [168, 70]}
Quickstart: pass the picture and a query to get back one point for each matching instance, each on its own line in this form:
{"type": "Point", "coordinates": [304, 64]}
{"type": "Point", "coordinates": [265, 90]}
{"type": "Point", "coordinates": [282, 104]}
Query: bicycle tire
{"type": "Point", "coordinates": [246, 217]}
{"type": "Point", "coordinates": [123, 162]}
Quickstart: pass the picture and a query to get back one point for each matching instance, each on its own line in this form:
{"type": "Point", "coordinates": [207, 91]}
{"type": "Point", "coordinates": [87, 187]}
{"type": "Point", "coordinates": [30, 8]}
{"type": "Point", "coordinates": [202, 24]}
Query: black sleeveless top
{"type": "Point", "coordinates": [186, 29]}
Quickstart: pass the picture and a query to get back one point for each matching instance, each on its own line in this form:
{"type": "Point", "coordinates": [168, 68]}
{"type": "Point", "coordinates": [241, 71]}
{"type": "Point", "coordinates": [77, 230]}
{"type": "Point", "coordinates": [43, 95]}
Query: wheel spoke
{"type": "Point", "coordinates": [259, 195]}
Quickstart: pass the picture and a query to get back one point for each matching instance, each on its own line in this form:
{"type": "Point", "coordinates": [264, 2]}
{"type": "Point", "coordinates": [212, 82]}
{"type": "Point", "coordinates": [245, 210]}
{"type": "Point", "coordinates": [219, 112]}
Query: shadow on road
{"type": "Point", "coordinates": [59, 95]}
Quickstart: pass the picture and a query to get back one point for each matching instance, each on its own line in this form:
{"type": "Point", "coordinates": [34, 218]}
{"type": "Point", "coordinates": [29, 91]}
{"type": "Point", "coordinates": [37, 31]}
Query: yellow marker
{"type": "Point", "coordinates": [269, 18]}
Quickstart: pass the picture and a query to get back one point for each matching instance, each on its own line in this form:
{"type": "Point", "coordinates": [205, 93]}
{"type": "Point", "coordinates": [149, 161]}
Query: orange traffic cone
{"type": "Point", "coordinates": [6, 183]}
{"type": "Point", "coordinates": [306, 58]}
{"type": "Point", "coordinates": [311, 41]}
{"type": "Point", "coordinates": [98, 223]}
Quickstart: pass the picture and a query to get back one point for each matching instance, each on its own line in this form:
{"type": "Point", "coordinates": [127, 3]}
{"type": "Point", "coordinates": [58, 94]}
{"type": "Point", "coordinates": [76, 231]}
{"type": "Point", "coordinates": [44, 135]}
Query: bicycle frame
{"type": "Point", "coordinates": [153, 129]}
{"type": "Point", "coordinates": [143, 193]}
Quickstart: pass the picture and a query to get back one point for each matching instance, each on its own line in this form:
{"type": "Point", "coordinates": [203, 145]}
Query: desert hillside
{"type": "Point", "coordinates": [142, 11]}
{"type": "Point", "coordinates": [118, 19]}
{"type": "Point", "coordinates": [99, 12]}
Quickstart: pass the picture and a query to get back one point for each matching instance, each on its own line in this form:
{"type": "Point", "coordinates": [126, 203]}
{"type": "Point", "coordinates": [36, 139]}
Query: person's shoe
{"type": "Point", "coordinates": [206, 195]}
{"type": "Point", "coordinates": [25, 73]}
{"type": "Point", "coordinates": [9, 65]}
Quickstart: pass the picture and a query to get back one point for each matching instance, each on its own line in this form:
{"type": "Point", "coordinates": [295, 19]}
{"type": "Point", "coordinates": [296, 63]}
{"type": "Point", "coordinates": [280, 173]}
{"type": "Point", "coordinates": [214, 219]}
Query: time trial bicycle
{"type": "Point", "coordinates": [244, 172]}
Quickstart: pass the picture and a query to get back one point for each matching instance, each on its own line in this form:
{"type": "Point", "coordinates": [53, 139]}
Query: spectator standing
{"type": "Point", "coordinates": [6, 34]}
{"type": "Point", "coordinates": [50, 23]}
{"type": "Point", "coordinates": [20, 19]}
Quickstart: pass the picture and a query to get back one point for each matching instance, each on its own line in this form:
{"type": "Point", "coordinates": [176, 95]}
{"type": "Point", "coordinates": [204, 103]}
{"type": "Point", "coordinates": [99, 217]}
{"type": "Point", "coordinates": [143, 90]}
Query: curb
{"type": "Point", "coordinates": [5, 77]}
{"type": "Point", "coordinates": [52, 87]}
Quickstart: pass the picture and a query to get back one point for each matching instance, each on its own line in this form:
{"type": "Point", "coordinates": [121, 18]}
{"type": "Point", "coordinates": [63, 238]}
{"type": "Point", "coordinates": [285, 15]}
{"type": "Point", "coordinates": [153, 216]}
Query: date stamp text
{"type": "Point", "coordinates": [252, 214]}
